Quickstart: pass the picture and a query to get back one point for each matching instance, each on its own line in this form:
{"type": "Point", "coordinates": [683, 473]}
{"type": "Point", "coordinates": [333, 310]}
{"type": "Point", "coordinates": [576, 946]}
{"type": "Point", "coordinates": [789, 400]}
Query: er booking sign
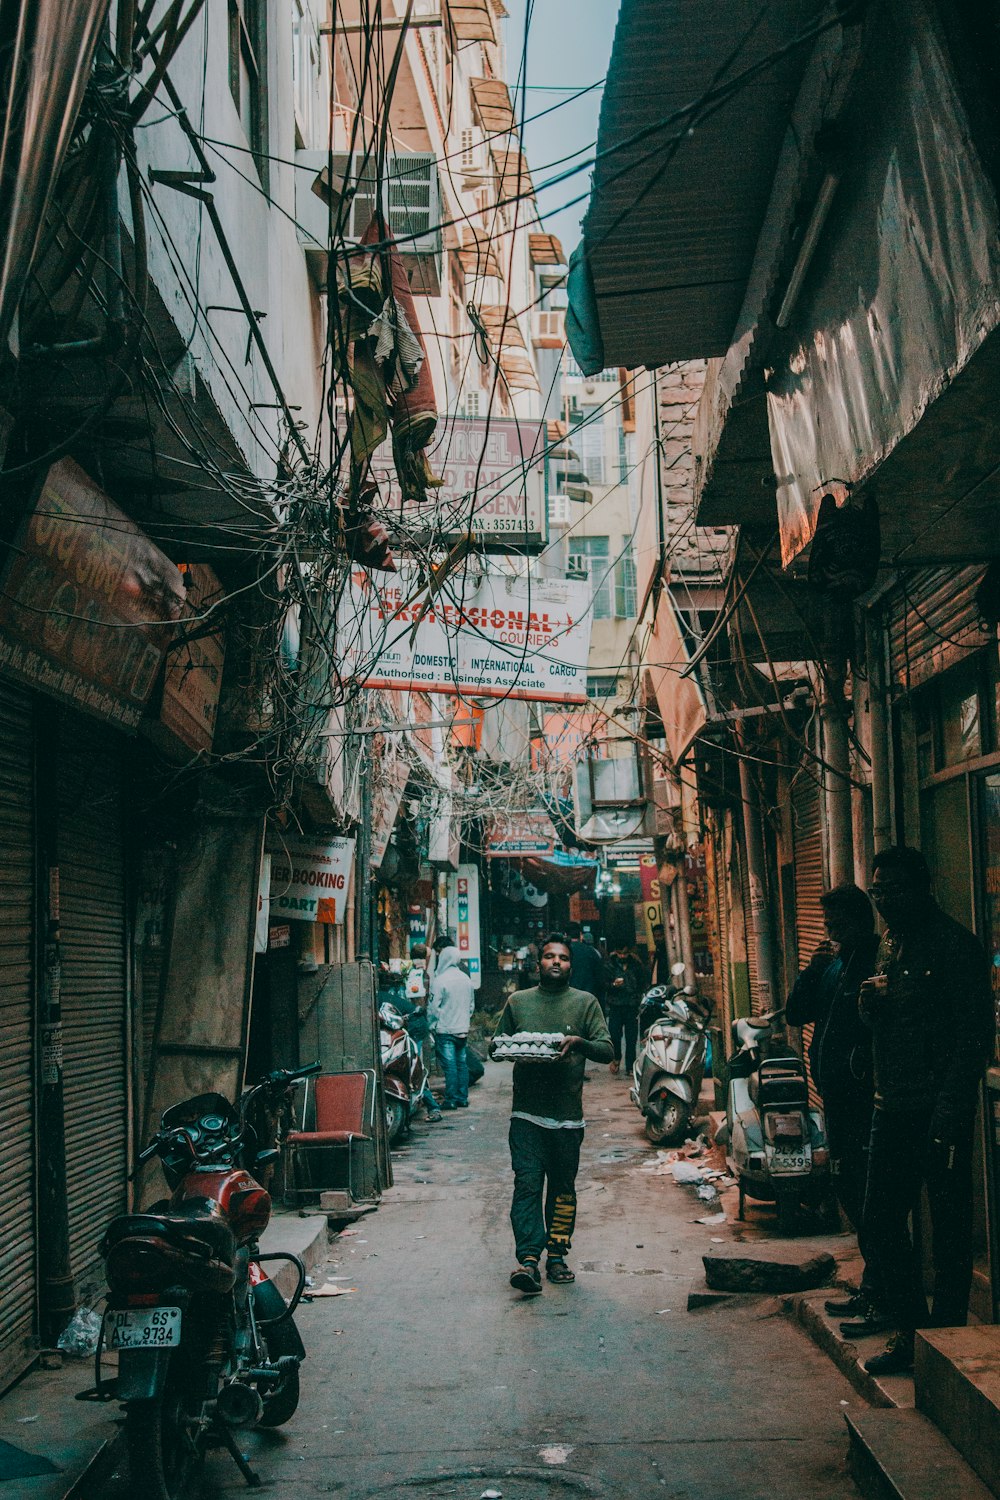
{"type": "Point", "coordinates": [498, 637]}
{"type": "Point", "coordinates": [310, 881]}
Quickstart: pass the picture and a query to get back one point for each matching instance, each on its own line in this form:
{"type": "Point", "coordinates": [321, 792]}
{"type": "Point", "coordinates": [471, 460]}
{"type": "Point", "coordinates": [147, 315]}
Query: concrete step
{"type": "Point", "coordinates": [901, 1455]}
{"type": "Point", "coordinates": [957, 1382]}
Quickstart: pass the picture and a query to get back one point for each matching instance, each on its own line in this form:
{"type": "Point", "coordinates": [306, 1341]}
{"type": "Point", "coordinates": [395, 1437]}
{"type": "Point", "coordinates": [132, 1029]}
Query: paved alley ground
{"type": "Point", "coordinates": [435, 1379]}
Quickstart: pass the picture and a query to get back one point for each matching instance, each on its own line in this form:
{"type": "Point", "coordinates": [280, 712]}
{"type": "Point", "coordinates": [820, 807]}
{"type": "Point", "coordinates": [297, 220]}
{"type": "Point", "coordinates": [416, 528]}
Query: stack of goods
{"type": "Point", "coordinates": [529, 1046]}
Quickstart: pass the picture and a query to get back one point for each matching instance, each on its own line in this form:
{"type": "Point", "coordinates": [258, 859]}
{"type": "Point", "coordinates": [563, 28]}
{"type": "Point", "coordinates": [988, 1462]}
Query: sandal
{"type": "Point", "coordinates": [558, 1271]}
{"type": "Point", "coordinates": [526, 1278]}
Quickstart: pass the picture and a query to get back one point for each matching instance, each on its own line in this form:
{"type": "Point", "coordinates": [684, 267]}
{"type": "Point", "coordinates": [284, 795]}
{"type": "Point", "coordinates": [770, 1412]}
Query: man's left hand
{"type": "Point", "coordinates": [570, 1044]}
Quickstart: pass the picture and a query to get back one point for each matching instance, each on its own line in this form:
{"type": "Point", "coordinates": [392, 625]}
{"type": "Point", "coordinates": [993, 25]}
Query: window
{"type": "Point", "coordinates": [472, 404]}
{"type": "Point", "coordinates": [626, 602]}
{"type": "Point", "coordinates": [468, 143]}
{"type": "Point", "coordinates": [247, 80]}
{"type": "Point", "coordinates": [588, 441]}
{"type": "Point", "coordinates": [602, 687]}
{"type": "Point", "coordinates": [305, 71]}
{"type": "Point", "coordinates": [590, 553]}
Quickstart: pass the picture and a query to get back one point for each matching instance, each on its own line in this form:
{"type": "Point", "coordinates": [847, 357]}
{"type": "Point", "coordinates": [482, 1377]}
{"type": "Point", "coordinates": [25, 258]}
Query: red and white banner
{"type": "Point", "coordinates": [503, 637]}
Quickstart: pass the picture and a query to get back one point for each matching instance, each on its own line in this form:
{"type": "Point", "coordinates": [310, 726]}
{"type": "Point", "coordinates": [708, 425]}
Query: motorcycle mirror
{"type": "Point", "coordinates": [677, 968]}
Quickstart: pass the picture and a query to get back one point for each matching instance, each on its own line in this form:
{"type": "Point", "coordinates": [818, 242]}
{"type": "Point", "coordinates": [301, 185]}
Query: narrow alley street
{"type": "Point", "coordinates": [434, 1378]}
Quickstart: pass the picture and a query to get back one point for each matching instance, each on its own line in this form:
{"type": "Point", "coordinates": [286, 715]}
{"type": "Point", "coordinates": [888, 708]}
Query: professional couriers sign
{"type": "Point", "coordinates": [493, 636]}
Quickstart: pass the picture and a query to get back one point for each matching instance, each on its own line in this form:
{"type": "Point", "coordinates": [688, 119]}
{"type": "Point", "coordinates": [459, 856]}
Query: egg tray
{"type": "Point", "coordinates": [529, 1046]}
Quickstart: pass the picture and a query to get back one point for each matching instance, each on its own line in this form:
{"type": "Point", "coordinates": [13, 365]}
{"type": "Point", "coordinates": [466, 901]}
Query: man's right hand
{"type": "Point", "coordinates": [823, 956]}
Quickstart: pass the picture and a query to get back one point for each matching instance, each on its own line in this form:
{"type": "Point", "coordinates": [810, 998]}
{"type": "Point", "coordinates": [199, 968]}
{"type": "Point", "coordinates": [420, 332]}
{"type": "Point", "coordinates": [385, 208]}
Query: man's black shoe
{"type": "Point", "coordinates": [527, 1279]}
{"type": "Point", "coordinates": [854, 1306]}
{"type": "Point", "coordinates": [871, 1322]}
{"type": "Point", "coordinates": [895, 1359]}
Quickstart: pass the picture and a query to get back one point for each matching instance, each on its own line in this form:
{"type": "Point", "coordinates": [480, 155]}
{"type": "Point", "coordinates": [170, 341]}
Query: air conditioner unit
{"type": "Point", "coordinates": [346, 189]}
{"type": "Point", "coordinates": [578, 566]}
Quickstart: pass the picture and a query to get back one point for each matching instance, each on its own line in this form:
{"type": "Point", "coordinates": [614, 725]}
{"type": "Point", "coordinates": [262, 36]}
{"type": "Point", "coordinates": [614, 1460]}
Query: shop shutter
{"type": "Point", "coordinates": [94, 981]}
{"type": "Point", "coordinates": [934, 623]}
{"type": "Point", "coordinates": [17, 1104]}
{"type": "Point", "coordinates": [807, 843]}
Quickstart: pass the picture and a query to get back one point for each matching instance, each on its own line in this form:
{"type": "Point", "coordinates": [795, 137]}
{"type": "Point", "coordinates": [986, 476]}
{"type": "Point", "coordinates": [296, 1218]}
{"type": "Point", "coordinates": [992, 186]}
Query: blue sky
{"type": "Point", "coordinates": [569, 47]}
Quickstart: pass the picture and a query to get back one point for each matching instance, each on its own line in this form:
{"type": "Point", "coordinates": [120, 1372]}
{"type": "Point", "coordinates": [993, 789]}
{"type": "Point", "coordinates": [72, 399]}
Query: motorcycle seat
{"type": "Point", "coordinates": [198, 1234]}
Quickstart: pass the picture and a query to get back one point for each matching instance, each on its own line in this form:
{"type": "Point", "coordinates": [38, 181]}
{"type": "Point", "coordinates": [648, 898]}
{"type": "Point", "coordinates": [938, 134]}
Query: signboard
{"type": "Point", "coordinates": [194, 668]}
{"type": "Point", "coordinates": [520, 834]}
{"type": "Point", "coordinates": [310, 880]}
{"type": "Point", "coordinates": [87, 602]}
{"type": "Point", "coordinates": [463, 918]}
{"type": "Point", "coordinates": [652, 907]}
{"type": "Point", "coordinates": [563, 737]}
{"type": "Point", "coordinates": [493, 483]}
{"type": "Point", "coordinates": [502, 637]}
{"type": "Point", "coordinates": [263, 905]}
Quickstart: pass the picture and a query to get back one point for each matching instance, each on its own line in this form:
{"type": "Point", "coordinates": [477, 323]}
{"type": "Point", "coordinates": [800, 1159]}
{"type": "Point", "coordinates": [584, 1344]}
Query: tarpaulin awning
{"type": "Point", "coordinates": [683, 175]}
{"type": "Point", "coordinates": [680, 700]}
{"type": "Point", "coordinates": [492, 101]}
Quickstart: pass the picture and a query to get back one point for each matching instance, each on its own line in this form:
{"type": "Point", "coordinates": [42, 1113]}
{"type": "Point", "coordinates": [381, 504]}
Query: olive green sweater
{"type": "Point", "coordinates": [554, 1091]}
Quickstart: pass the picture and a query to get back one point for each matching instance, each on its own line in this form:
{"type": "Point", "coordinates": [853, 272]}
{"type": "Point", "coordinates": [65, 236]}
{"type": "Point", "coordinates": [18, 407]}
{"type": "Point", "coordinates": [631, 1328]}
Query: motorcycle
{"type": "Point", "coordinates": [670, 1064]}
{"type": "Point", "coordinates": [205, 1341]}
{"type": "Point", "coordinates": [403, 1073]}
{"type": "Point", "coordinates": [776, 1146]}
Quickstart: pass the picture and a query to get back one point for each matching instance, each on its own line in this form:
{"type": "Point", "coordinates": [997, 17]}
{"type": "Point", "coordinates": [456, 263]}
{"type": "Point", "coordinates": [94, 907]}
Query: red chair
{"type": "Point", "coordinates": [344, 1105]}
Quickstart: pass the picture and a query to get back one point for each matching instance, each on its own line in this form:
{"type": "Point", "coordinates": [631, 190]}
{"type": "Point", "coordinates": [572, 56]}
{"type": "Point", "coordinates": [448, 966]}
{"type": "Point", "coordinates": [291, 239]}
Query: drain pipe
{"type": "Point", "coordinates": [753, 833]}
{"type": "Point", "coordinates": [837, 776]}
{"type": "Point", "coordinates": [878, 719]}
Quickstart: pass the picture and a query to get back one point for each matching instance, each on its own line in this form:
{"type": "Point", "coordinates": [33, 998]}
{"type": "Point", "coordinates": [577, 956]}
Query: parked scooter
{"type": "Point", "coordinates": [403, 1073]}
{"type": "Point", "coordinates": [670, 1064]}
{"type": "Point", "coordinates": [205, 1341]}
{"type": "Point", "coordinates": [776, 1145]}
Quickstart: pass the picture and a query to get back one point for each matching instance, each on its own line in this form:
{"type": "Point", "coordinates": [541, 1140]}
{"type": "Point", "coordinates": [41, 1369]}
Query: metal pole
{"type": "Point", "coordinates": [363, 879]}
{"type": "Point", "coordinates": [837, 777]}
{"type": "Point", "coordinates": [757, 874]}
{"type": "Point", "coordinates": [878, 719]}
{"type": "Point", "coordinates": [683, 909]}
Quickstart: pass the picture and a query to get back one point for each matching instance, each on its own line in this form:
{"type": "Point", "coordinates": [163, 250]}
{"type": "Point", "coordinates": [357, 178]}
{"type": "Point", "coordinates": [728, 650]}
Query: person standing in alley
{"type": "Point", "coordinates": [625, 983]}
{"type": "Point", "coordinates": [586, 964]}
{"type": "Point", "coordinates": [659, 958]}
{"type": "Point", "coordinates": [840, 1060]}
{"type": "Point", "coordinates": [930, 1009]}
{"type": "Point", "coordinates": [546, 1122]}
{"type": "Point", "coordinates": [449, 1011]}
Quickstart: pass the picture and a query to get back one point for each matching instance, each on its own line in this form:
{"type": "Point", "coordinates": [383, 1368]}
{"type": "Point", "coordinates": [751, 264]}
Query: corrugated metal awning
{"type": "Point", "coordinates": [492, 100]}
{"type": "Point", "coordinates": [546, 250]}
{"type": "Point", "coordinates": [472, 20]}
{"type": "Point", "coordinates": [502, 326]}
{"type": "Point", "coordinates": [477, 255]}
{"type": "Point", "coordinates": [683, 176]}
{"type": "Point", "coordinates": [513, 174]}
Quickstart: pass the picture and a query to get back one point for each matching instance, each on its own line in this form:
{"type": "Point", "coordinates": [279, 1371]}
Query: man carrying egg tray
{"type": "Point", "coordinates": [546, 1122]}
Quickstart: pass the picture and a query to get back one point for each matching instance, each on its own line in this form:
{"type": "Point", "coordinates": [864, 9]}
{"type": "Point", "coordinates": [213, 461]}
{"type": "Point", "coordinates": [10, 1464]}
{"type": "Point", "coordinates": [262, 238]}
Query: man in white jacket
{"type": "Point", "coordinates": [449, 1011]}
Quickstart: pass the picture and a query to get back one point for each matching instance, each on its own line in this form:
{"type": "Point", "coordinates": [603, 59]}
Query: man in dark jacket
{"type": "Point", "coordinates": [840, 1053]}
{"type": "Point", "coordinates": [840, 1060]}
{"type": "Point", "coordinates": [586, 964]}
{"type": "Point", "coordinates": [625, 983]}
{"type": "Point", "coordinates": [930, 1009]}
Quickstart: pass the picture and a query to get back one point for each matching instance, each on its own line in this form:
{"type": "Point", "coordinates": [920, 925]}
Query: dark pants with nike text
{"type": "Point", "coordinates": [543, 1209]}
{"type": "Point", "coordinates": [901, 1160]}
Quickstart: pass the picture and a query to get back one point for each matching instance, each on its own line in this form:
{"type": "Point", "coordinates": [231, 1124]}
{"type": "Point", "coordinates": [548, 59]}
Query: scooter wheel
{"type": "Point", "coordinates": [670, 1127]}
{"type": "Point", "coordinates": [395, 1119]}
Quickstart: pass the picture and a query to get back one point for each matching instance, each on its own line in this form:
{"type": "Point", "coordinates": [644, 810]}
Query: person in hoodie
{"type": "Point", "coordinates": [546, 1122]}
{"type": "Point", "coordinates": [449, 1011]}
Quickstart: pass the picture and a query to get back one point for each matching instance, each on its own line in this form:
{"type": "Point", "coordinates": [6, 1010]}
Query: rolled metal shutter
{"type": "Point", "coordinates": [94, 981]}
{"type": "Point", "coordinates": [807, 840]}
{"type": "Point", "coordinates": [17, 1092]}
{"type": "Point", "coordinates": [934, 623]}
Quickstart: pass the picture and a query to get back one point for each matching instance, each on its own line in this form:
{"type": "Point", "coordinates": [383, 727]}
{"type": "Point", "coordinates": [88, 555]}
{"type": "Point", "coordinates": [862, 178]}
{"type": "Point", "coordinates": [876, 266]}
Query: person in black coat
{"type": "Point", "coordinates": [930, 1008]}
{"type": "Point", "coordinates": [840, 1053]}
{"type": "Point", "coordinates": [586, 964]}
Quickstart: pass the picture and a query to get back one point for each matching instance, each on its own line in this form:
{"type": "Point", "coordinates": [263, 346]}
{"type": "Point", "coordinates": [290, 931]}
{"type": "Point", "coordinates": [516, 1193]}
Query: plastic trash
{"type": "Point", "coordinates": [684, 1171]}
{"type": "Point", "coordinates": [707, 1192]}
{"type": "Point", "coordinates": [81, 1335]}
